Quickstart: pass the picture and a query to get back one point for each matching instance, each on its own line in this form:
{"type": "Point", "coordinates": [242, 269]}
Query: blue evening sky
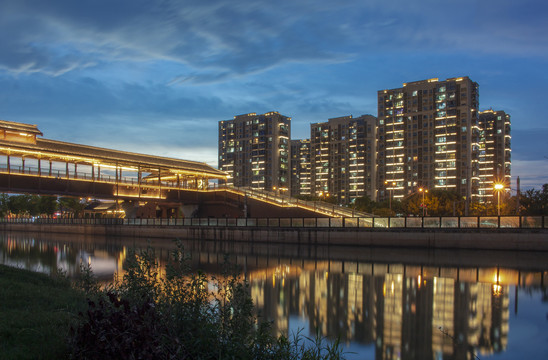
{"type": "Point", "coordinates": [156, 76]}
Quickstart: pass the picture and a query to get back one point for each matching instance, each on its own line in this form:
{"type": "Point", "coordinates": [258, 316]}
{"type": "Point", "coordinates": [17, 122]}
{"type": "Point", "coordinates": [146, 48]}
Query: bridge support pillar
{"type": "Point", "coordinates": [139, 177]}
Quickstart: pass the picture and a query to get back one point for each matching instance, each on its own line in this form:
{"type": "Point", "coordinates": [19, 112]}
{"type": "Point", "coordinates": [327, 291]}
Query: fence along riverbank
{"type": "Point", "coordinates": [489, 233]}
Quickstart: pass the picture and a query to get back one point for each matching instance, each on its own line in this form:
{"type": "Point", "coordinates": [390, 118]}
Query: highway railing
{"type": "Point", "coordinates": [431, 223]}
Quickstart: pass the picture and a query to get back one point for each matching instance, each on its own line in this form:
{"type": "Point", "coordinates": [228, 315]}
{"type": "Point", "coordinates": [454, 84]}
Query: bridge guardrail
{"type": "Point", "coordinates": [450, 222]}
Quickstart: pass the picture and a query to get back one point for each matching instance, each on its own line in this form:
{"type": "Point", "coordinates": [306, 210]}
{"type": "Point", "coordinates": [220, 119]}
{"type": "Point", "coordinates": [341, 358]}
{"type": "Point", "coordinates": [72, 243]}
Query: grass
{"type": "Point", "coordinates": [36, 313]}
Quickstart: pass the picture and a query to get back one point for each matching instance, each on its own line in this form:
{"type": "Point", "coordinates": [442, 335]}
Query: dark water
{"type": "Point", "coordinates": [382, 303]}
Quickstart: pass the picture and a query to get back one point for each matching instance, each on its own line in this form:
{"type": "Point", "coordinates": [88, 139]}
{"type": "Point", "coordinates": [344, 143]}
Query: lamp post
{"type": "Point", "coordinates": [323, 195]}
{"type": "Point", "coordinates": [498, 188]}
{"type": "Point", "coordinates": [390, 198]}
{"type": "Point", "coordinates": [423, 205]}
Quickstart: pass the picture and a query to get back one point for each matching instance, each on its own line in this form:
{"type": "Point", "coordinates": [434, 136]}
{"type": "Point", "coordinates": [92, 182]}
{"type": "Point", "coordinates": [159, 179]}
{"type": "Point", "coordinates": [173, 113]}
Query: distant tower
{"type": "Point", "coordinates": [254, 150]}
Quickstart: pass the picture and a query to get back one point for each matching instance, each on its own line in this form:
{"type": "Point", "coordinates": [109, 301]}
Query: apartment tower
{"type": "Point", "coordinates": [300, 167]}
{"type": "Point", "coordinates": [495, 152]}
{"type": "Point", "coordinates": [254, 151]}
{"type": "Point", "coordinates": [342, 158]}
{"type": "Point", "coordinates": [428, 137]}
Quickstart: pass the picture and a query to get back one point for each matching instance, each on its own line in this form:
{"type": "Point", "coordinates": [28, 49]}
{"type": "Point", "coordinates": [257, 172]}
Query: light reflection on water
{"type": "Point", "coordinates": [382, 303]}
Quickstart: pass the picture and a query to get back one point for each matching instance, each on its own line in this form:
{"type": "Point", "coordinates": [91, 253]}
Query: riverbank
{"type": "Point", "coordinates": [142, 316]}
{"type": "Point", "coordinates": [36, 312]}
{"type": "Point", "coordinates": [470, 239]}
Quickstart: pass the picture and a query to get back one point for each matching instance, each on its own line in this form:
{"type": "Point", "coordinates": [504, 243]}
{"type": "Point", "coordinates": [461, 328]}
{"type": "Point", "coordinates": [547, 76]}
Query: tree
{"type": "Point", "coordinates": [4, 205]}
{"type": "Point", "coordinates": [441, 202]}
{"type": "Point", "coordinates": [26, 204]}
{"type": "Point", "coordinates": [73, 205]}
{"type": "Point", "coordinates": [535, 202]}
{"type": "Point", "coordinates": [365, 204]}
{"type": "Point", "coordinates": [33, 205]}
{"type": "Point", "coordinates": [478, 209]}
{"type": "Point", "coordinates": [19, 204]}
{"type": "Point", "coordinates": [48, 205]}
{"type": "Point", "coordinates": [437, 203]}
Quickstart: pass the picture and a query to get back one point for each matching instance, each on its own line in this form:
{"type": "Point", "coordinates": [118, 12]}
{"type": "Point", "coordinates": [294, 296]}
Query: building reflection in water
{"type": "Point", "coordinates": [406, 311]}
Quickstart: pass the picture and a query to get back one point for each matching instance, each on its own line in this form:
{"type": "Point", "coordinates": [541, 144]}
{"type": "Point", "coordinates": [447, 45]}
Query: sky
{"type": "Point", "coordinates": [156, 76]}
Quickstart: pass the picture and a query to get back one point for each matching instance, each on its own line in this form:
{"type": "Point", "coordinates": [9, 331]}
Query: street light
{"type": "Point", "coordinates": [323, 195]}
{"type": "Point", "coordinates": [423, 205]}
{"type": "Point", "coordinates": [390, 198]}
{"type": "Point", "coordinates": [498, 188]}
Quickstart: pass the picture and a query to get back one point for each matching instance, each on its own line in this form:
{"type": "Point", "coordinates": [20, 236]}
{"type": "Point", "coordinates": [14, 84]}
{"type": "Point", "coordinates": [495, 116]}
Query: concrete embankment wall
{"type": "Point", "coordinates": [522, 240]}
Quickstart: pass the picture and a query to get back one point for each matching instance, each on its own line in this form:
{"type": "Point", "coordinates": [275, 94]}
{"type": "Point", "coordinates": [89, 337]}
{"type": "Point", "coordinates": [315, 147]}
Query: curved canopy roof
{"type": "Point", "coordinates": [64, 151]}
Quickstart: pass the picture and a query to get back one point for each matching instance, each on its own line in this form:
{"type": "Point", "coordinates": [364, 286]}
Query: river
{"type": "Point", "coordinates": [382, 303]}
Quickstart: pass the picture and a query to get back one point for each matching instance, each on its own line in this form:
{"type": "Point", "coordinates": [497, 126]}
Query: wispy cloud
{"type": "Point", "coordinates": [532, 173]}
{"type": "Point", "coordinates": [241, 37]}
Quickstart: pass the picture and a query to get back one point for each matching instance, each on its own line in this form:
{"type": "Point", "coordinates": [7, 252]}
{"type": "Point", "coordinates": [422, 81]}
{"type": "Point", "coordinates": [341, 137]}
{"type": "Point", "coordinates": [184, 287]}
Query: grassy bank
{"type": "Point", "coordinates": [181, 315]}
{"type": "Point", "coordinates": [36, 311]}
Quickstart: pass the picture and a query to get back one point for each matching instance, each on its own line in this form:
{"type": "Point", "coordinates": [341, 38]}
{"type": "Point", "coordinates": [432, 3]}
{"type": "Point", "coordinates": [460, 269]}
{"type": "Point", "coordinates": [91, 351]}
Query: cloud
{"type": "Point", "coordinates": [241, 37]}
{"type": "Point", "coordinates": [532, 173]}
{"type": "Point", "coordinates": [213, 40]}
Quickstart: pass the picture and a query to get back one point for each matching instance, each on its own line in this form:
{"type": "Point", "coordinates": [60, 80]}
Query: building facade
{"type": "Point", "coordinates": [495, 152]}
{"type": "Point", "coordinates": [342, 158]}
{"type": "Point", "coordinates": [254, 151]}
{"type": "Point", "coordinates": [428, 137]}
{"type": "Point", "coordinates": [300, 167]}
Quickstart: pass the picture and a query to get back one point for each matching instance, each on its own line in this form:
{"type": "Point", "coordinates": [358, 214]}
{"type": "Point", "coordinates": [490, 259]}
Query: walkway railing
{"type": "Point", "coordinates": [285, 200]}
{"type": "Point", "coordinates": [431, 223]}
{"type": "Point", "coordinates": [105, 178]}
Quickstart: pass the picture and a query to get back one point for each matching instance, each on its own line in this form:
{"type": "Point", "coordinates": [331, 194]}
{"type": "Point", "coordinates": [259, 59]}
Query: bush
{"type": "Point", "coordinates": [182, 315]}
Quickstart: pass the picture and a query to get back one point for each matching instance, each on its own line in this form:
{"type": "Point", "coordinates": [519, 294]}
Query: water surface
{"type": "Point", "coordinates": [381, 303]}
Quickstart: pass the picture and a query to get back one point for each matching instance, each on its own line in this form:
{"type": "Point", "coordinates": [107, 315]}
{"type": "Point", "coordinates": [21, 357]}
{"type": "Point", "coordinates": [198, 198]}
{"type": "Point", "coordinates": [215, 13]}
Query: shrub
{"type": "Point", "coordinates": [181, 315]}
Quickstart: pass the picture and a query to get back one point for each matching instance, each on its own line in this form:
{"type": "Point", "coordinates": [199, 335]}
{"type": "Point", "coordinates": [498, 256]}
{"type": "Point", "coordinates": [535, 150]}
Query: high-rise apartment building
{"type": "Point", "coordinates": [495, 151]}
{"type": "Point", "coordinates": [300, 167]}
{"type": "Point", "coordinates": [342, 158]}
{"type": "Point", "coordinates": [254, 150]}
{"type": "Point", "coordinates": [428, 136]}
